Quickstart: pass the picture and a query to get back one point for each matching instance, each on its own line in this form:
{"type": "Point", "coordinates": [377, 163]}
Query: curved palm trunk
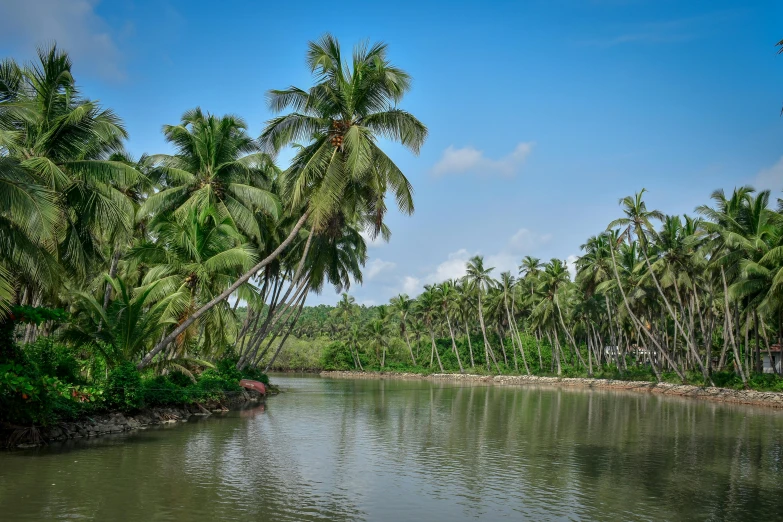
{"type": "Point", "coordinates": [571, 337]}
{"type": "Point", "coordinates": [470, 346]}
{"type": "Point", "coordinates": [454, 344]}
{"type": "Point", "coordinates": [730, 328]}
{"type": "Point", "coordinates": [538, 346]}
{"type": "Point", "coordinates": [285, 337]}
{"type": "Point", "coordinates": [688, 337]}
{"type": "Point", "coordinates": [487, 348]}
{"type": "Point", "coordinates": [639, 326]}
{"type": "Point", "coordinates": [434, 348]}
{"type": "Point", "coordinates": [557, 343]}
{"type": "Point", "coordinates": [408, 342]}
{"type": "Point", "coordinates": [227, 292]}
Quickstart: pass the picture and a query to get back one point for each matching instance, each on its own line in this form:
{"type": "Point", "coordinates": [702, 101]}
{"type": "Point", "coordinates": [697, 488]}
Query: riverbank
{"type": "Point", "coordinates": [118, 422]}
{"type": "Point", "coordinates": [750, 397]}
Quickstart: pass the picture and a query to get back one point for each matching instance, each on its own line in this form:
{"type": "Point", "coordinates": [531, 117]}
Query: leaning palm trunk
{"type": "Point", "coordinates": [487, 348]}
{"type": "Point", "coordinates": [454, 344]}
{"type": "Point", "coordinates": [271, 325]}
{"type": "Point", "coordinates": [435, 349]}
{"type": "Point", "coordinates": [285, 337]}
{"type": "Point", "coordinates": [408, 342]}
{"type": "Point", "coordinates": [571, 337]}
{"type": "Point", "coordinates": [730, 328]}
{"type": "Point", "coordinates": [639, 326]}
{"type": "Point", "coordinates": [688, 337]}
{"type": "Point", "coordinates": [470, 346]}
{"type": "Point", "coordinates": [227, 292]}
{"type": "Point", "coordinates": [300, 297]}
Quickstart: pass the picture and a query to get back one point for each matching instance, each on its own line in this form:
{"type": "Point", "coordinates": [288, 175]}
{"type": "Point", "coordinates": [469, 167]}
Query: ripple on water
{"type": "Point", "coordinates": [330, 449]}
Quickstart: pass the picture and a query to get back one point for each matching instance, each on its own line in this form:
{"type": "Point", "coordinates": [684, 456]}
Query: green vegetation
{"type": "Point", "coordinates": [695, 299]}
{"type": "Point", "coordinates": [120, 277]}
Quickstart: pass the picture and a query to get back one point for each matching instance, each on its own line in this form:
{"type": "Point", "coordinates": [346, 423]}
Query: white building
{"type": "Point", "coordinates": [774, 350]}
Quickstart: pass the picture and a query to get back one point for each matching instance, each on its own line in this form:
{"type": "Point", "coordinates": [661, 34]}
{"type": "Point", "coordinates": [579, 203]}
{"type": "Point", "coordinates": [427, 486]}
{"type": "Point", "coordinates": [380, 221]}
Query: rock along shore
{"type": "Point", "coordinates": [116, 422]}
{"type": "Point", "coordinates": [752, 397]}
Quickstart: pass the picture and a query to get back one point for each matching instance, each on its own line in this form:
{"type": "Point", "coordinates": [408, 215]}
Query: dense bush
{"type": "Point", "coordinates": [336, 356]}
{"type": "Point", "coordinates": [162, 391]}
{"type": "Point", "coordinates": [123, 389]}
{"type": "Point", "coordinates": [54, 359]}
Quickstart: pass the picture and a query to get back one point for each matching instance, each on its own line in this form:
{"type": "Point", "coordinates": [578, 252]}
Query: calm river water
{"type": "Point", "coordinates": [391, 450]}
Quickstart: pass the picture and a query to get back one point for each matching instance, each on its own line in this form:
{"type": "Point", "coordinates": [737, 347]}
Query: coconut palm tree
{"type": "Point", "coordinates": [216, 165]}
{"type": "Point", "coordinates": [479, 277]}
{"type": "Point", "coordinates": [401, 306]}
{"type": "Point", "coordinates": [448, 296]}
{"type": "Point", "coordinates": [341, 168]}
{"type": "Point", "coordinates": [61, 140]}
{"type": "Point", "coordinates": [428, 306]}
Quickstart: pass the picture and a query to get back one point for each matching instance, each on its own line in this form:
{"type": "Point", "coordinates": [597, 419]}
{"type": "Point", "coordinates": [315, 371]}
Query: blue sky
{"type": "Point", "coordinates": [541, 114]}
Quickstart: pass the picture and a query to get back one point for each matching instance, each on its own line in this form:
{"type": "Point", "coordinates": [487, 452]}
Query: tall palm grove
{"type": "Point", "coordinates": [117, 269]}
{"type": "Point", "coordinates": [184, 272]}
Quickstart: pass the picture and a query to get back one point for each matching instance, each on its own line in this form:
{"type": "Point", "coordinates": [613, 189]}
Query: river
{"type": "Point", "coordinates": [396, 450]}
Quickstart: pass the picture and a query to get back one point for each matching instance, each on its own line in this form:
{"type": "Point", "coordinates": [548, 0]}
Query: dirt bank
{"type": "Point", "coordinates": [756, 398]}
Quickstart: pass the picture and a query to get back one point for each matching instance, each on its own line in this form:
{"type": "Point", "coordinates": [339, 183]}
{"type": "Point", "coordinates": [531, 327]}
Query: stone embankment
{"type": "Point", "coordinates": [107, 423]}
{"type": "Point", "coordinates": [756, 398]}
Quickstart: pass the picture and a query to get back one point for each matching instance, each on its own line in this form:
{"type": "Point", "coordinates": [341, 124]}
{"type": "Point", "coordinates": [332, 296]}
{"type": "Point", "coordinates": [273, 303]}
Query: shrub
{"type": "Point", "coordinates": [123, 389]}
{"type": "Point", "coordinates": [213, 386]}
{"type": "Point", "coordinates": [336, 356]}
{"type": "Point", "coordinates": [161, 391]}
{"type": "Point", "coordinates": [54, 359]}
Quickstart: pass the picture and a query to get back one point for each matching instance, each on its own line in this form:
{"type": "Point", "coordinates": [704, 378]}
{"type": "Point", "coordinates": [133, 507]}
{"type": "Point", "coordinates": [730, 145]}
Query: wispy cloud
{"type": "Point", "coordinates": [74, 25]}
{"type": "Point", "coordinates": [665, 31]}
{"type": "Point", "coordinates": [377, 266]}
{"type": "Point", "coordinates": [469, 159]}
{"type": "Point", "coordinates": [770, 178]}
{"type": "Point", "coordinates": [522, 242]}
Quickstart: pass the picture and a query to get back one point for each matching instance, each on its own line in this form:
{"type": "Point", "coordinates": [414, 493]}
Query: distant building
{"type": "Point", "coordinates": [775, 351]}
{"type": "Point", "coordinates": [611, 351]}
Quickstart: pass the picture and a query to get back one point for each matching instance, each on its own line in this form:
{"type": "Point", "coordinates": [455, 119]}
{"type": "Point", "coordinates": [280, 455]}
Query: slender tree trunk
{"type": "Point", "coordinates": [737, 360]}
{"type": "Point", "coordinates": [227, 292]}
{"type": "Point", "coordinates": [639, 326]}
{"type": "Point", "coordinates": [115, 263]}
{"type": "Point", "coordinates": [283, 340]}
{"type": "Point", "coordinates": [454, 344]}
{"type": "Point", "coordinates": [435, 349]}
{"type": "Point", "coordinates": [470, 346]}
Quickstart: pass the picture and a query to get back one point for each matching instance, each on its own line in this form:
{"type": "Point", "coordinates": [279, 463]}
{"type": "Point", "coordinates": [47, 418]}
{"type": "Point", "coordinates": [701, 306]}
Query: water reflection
{"type": "Point", "coordinates": [401, 450]}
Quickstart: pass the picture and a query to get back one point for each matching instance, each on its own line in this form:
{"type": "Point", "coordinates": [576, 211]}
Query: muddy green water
{"type": "Point", "coordinates": [331, 449]}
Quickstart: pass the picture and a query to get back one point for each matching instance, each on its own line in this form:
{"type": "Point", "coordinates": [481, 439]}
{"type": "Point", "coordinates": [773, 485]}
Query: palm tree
{"type": "Point", "coordinates": [479, 277]}
{"type": "Point", "coordinates": [195, 258]}
{"type": "Point", "coordinates": [448, 296]}
{"type": "Point", "coordinates": [216, 166]}
{"type": "Point", "coordinates": [464, 307]}
{"type": "Point", "coordinates": [428, 307]}
{"type": "Point", "coordinates": [379, 339]}
{"type": "Point", "coordinates": [341, 169]}
{"type": "Point", "coordinates": [62, 140]}
{"type": "Point", "coordinates": [401, 305]}
{"type": "Point", "coordinates": [507, 286]}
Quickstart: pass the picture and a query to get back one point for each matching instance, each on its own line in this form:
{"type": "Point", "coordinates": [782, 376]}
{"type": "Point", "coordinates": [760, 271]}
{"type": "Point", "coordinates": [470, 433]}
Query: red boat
{"type": "Point", "coordinates": [253, 385]}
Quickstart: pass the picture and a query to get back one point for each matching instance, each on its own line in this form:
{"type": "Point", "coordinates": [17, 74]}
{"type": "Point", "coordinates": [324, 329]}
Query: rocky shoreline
{"type": "Point", "coordinates": [750, 397]}
{"type": "Point", "coordinates": [117, 422]}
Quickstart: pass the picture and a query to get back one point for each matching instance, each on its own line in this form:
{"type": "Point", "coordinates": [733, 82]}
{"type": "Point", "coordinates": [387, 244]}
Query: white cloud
{"type": "Point", "coordinates": [376, 266]}
{"type": "Point", "coordinates": [522, 242]}
{"type": "Point", "coordinates": [452, 268]}
{"type": "Point", "coordinates": [571, 263]}
{"type": "Point", "coordinates": [75, 27]}
{"type": "Point", "coordinates": [372, 243]}
{"type": "Point", "coordinates": [469, 159]}
{"type": "Point", "coordinates": [411, 285]}
{"type": "Point", "coordinates": [770, 178]}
